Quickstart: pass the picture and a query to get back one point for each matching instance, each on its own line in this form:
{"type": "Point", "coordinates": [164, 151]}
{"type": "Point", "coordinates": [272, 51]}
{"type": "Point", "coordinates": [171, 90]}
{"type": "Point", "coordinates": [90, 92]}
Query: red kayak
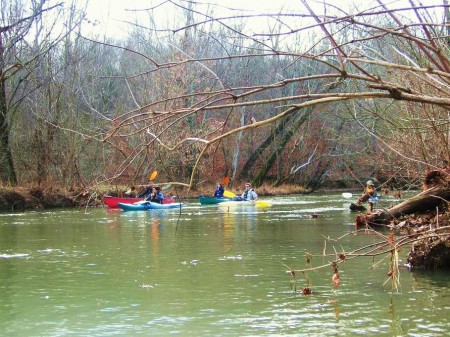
{"type": "Point", "coordinates": [113, 202]}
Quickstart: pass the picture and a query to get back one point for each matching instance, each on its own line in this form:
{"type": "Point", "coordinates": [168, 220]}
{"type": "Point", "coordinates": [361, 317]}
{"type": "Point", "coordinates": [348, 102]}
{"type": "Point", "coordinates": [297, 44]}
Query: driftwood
{"type": "Point", "coordinates": [356, 207]}
{"type": "Point", "coordinates": [427, 226]}
{"type": "Point", "coordinates": [429, 199]}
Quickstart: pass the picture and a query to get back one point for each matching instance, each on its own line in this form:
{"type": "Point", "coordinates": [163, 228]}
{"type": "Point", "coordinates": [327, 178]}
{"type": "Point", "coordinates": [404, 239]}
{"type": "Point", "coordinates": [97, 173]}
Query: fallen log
{"type": "Point", "coordinates": [435, 196]}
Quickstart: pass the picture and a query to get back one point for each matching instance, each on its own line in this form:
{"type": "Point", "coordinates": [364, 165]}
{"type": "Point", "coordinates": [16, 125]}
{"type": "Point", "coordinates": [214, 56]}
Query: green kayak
{"type": "Point", "coordinates": [205, 200]}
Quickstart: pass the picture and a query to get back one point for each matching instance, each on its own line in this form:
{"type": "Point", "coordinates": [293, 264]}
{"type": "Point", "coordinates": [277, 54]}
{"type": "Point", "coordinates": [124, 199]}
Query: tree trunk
{"type": "Point", "coordinates": [264, 145]}
{"type": "Point", "coordinates": [7, 171]}
{"type": "Point", "coordinates": [424, 201]}
{"type": "Point", "coordinates": [259, 178]}
{"type": "Point", "coordinates": [286, 137]}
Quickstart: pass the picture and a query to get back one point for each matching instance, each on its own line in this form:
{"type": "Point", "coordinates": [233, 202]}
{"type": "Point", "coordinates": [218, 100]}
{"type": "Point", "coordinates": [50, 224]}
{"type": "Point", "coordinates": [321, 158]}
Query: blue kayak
{"type": "Point", "coordinates": [143, 206]}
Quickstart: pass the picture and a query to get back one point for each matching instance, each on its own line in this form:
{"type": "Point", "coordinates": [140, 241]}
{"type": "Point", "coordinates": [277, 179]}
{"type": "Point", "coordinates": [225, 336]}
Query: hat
{"type": "Point", "coordinates": [370, 182]}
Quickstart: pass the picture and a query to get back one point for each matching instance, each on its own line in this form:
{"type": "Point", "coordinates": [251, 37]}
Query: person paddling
{"type": "Point", "coordinates": [145, 192]}
{"type": "Point", "coordinates": [156, 195]}
{"type": "Point", "coordinates": [220, 189]}
{"type": "Point", "coordinates": [249, 193]}
{"type": "Point", "coordinates": [370, 194]}
{"type": "Point", "coordinates": [131, 192]}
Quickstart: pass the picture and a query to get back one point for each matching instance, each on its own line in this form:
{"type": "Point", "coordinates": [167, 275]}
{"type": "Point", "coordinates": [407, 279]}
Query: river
{"type": "Point", "coordinates": [206, 272]}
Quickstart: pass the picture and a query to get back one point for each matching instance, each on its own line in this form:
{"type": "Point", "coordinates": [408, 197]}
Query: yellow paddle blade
{"type": "Point", "coordinates": [263, 203]}
{"type": "Point", "coordinates": [153, 175]}
{"type": "Point", "coordinates": [229, 194]}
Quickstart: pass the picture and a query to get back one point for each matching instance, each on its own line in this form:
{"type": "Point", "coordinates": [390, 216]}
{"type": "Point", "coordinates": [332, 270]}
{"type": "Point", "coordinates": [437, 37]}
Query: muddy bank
{"type": "Point", "coordinates": [20, 199]}
{"type": "Point", "coordinates": [431, 233]}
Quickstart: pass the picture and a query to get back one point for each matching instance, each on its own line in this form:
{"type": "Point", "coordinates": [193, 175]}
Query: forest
{"type": "Point", "coordinates": [315, 94]}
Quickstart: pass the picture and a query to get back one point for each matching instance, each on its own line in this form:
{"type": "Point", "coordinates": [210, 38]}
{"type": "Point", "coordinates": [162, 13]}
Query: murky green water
{"type": "Point", "coordinates": [203, 272]}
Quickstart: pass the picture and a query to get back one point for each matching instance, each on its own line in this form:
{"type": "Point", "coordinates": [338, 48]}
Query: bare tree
{"type": "Point", "coordinates": [350, 45]}
{"type": "Point", "coordinates": [26, 37]}
{"type": "Point", "coordinates": [314, 93]}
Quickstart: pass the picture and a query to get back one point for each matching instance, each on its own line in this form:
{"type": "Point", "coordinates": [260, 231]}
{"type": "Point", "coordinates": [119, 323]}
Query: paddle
{"type": "Point", "coordinates": [153, 175]}
{"type": "Point", "coordinates": [229, 194]}
{"type": "Point", "coordinates": [225, 180]}
{"type": "Point", "coordinates": [151, 178]}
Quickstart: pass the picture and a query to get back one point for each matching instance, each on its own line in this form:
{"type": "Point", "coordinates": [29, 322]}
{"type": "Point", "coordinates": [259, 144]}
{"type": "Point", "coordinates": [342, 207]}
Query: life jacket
{"type": "Point", "coordinates": [372, 191]}
{"type": "Point", "coordinates": [246, 193]}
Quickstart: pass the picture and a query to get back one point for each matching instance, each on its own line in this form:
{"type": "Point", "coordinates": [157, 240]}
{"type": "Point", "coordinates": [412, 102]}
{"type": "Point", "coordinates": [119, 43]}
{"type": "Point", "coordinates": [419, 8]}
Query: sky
{"type": "Point", "coordinates": [106, 17]}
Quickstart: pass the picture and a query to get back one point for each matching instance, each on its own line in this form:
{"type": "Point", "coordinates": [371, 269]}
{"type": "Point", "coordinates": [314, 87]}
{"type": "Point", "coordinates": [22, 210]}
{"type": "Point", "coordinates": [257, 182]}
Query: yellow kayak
{"type": "Point", "coordinates": [236, 203]}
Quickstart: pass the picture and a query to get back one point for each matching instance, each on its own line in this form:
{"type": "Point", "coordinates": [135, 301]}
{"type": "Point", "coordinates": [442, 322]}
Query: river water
{"type": "Point", "coordinates": [205, 272]}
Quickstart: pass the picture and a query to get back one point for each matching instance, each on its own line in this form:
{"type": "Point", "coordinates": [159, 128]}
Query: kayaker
{"type": "Point", "coordinates": [131, 192]}
{"type": "Point", "coordinates": [369, 194]}
{"type": "Point", "coordinates": [249, 193]}
{"type": "Point", "coordinates": [220, 189]}
{"type": "Point", "coordinates": [156, 195]}
{"type": "Point", "coordinates": [145, 192]}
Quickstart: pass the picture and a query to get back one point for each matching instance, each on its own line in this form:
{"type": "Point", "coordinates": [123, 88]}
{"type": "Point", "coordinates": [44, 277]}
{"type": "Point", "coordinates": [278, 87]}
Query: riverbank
{"type": "Point", "coordinates": [35, 198]}
{"type": "Point", "coordinates": [21, 198]}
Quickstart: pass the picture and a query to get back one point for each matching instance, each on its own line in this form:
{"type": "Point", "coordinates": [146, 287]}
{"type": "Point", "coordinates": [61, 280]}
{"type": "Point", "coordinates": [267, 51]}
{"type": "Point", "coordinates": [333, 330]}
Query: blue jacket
{"type": "Point", "coordinates": [218, 193]}
{"type": "Point", "coordinates": [158, 197]}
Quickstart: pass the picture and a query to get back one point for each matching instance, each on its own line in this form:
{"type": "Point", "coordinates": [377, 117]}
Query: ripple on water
{"type": "Point", "coordinates": [217, 274]}
{"type": "Point", "coordinates": [13, 256]}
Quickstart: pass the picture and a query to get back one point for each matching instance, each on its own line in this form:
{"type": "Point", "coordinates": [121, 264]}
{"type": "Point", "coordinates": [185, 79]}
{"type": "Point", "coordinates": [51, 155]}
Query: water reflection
{"type": "Point", "coordinates": [155, 232]}
{"type": "Point", "coordinates": [228, 220]}
{"type": "Point", "coordinates": [396, 322]}
{"type": "Point", "coordinates": [337, 310]}
{"type": "Point", "coordinates": [203, 272]}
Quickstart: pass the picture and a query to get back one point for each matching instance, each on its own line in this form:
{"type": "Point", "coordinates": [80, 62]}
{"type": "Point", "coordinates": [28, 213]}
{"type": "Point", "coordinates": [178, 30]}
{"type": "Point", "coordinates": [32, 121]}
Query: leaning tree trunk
{"type": "Point", "coordinates": [422, 202]}
{"type": "Point", "coordinates": [261, 148]}
{"type": "Point", "coordinates": [286, 137]}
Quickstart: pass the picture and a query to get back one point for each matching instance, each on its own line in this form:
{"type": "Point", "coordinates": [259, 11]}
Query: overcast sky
{"type": "Point", "coordinates": [110, 14]}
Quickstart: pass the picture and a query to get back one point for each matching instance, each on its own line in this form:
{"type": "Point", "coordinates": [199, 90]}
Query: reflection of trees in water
{"type": "Point", "coordinates": [246, 219]}
{"type": "Point", "coordinates": [229, 220]}
{"type": "Point", "coordinates": [147, 225]}
{"type": "Point", "coordinates": [396, 322]}
{"type": "Point", "coordinates": [154, 226]}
